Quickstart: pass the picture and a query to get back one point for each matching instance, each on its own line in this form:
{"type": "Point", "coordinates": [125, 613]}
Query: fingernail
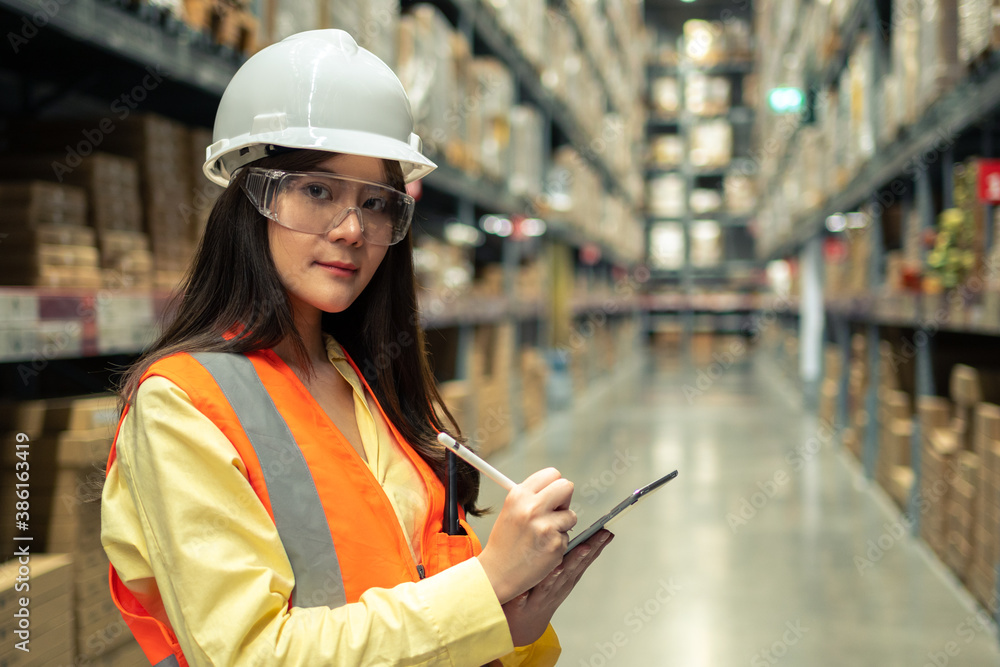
{"type": "Point", "coordinates": [556, 572]}
{"type": "Point", "coordinates": [584, 551]}
{"type": "Point", "coordinates": [604, 538]}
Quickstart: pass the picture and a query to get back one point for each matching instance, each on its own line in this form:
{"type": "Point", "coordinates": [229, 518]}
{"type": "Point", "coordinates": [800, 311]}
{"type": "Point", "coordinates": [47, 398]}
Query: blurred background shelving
{"type": "Point", "coordinates": [876, 218]}
{"type": "Point", "coordinates": [812, 183]}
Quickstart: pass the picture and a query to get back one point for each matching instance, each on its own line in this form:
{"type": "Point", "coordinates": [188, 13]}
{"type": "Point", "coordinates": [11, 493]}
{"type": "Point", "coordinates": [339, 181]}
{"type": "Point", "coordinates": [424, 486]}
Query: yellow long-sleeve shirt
{"type": "Point", "coordinates": [189, 537]}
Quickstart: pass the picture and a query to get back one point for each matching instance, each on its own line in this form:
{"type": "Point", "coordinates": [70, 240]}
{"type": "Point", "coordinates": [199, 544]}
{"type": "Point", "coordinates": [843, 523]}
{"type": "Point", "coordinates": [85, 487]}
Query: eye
{"type": "Point", "coordinates": [376, 204]}
{"type": "Point", "coordinates": [317, 191]}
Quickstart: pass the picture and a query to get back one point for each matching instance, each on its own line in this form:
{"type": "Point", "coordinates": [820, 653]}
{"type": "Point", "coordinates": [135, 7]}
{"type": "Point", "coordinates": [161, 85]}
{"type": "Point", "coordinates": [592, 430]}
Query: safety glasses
{"type": "Point", "coordinates": [318, 202]}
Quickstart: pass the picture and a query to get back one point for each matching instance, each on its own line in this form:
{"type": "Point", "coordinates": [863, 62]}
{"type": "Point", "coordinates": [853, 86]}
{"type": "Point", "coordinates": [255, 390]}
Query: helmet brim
{"type": "Point", "coordinates": [224, 160]}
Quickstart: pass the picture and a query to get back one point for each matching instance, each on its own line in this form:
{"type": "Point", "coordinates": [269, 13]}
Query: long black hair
{"type": "Point", "coordinates": [233, 282]}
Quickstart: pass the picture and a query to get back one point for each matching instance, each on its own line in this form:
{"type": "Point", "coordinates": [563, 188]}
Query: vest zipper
{"type": "Point", "coordinates": [420, 571]}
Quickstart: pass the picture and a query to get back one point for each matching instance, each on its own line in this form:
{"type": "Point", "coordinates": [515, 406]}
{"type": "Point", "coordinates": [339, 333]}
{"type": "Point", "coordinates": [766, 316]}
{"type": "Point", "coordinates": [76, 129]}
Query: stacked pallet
{"type": "Point", "coordinates": [78, 433]}
{"type": "Point", "coordinates": [49, 610]}
{"type": "Point", "coordinates": [892, 469]}
{"type": "Point", "coordinates": [830, 386]}
{"type": "Point", "coordinates": [45, 240]}
{"type": "Point", "coordinates": [534, 380]}
{"type": "Point", "coordinates": [939, 451]}
{"type": "Point", "coordinates": [956, 467]}
{"type": "Point", "coordinates": [986, 531]}
{"type": "Point", "coordinates": [961, 506]}
{"type": "Point", "coordinates": [69, 446]}
{"type": "Point", "coordinates": [227, 23]}
{"type": "Point", "coordinates": [857, 390]}
{"type": "Point", "coordinates": [457, 395]}
{"type": "Point", "coordinates": [160, 147]}
{"type": "Point", "coordinates": [490, 367]}
{"type": "Point", "coordinates": [113, 210]}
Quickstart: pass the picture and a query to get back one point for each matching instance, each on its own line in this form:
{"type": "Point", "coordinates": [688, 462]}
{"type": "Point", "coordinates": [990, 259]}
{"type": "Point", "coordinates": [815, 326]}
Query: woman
{"type": "Point", "coordinates": [274, 494]}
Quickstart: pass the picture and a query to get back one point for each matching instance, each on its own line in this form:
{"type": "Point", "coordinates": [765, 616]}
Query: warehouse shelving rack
{"type": "Point", "coordinates": [907, 170]}
{"type": "Point", "coordinates": [482, 31]}
{"type": "Point", "coordinates": [128, 35]}
{"type": "Point", "coordinates": [689, 277]}
{"type": "Point", "coordinates": [475, 21]}
{"type": "Point", "coordinates": [66, 328]}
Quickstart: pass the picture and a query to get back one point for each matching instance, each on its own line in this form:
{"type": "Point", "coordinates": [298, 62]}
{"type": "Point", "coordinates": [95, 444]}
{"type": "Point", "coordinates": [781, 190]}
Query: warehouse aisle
{"type": "Point", "coordinates": [760, 553]}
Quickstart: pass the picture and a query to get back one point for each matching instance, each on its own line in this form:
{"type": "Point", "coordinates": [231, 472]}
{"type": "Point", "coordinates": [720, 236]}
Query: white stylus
{"type": "Point", "coordinates": [476, 462]}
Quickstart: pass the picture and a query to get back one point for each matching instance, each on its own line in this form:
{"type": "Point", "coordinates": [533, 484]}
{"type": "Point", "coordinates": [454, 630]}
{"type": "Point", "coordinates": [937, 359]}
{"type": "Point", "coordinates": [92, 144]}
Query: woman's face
{"type": "Point", "coordinates": [328, 272]}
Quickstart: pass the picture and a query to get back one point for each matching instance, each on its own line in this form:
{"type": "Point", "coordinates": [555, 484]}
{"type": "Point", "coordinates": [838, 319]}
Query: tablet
{"type": "Point", "coordinates": [620, 509]}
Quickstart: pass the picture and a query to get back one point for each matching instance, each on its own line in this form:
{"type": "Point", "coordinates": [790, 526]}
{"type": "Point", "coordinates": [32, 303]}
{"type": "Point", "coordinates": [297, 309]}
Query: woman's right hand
{"type": "Point", "coordinates": [530, 535]}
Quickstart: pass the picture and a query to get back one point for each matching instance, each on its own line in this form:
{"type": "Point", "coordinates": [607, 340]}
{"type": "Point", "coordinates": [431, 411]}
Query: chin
{"type": "Point", "coordinates": [325, 301]}
{"type": "Point", "coordinates": [334, 305]}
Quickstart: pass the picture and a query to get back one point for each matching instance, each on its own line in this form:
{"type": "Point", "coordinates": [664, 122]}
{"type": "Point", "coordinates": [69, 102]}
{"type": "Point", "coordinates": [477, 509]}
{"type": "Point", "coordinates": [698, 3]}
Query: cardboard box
{"type": "Point", "coordinates": [50, 578]}
{"type": "Point", "coordinates": [970, 385]}
{"type": "Point", "coordinates": [68, 449]}
{"type": "Point", "coordinates": [82, 413]}
{"type": "Point", "coordinates": [961, 508]}
{"type": "Point", "coordinates": [933, 412]}
{"type": "Point", "coordinates": [829, 392]}
{"type": "Point", "coordinates": [111, 182]}
{"type": "Point", "coordinates": [26, 417]}
{"type": "Point", "coordinates": [489, 373]}
{"type": "Point", "coordinates": [126, 654]}
{"type": "Point", "coordinates": [29, 238]}
{"type": "Point", "coordinates": [75, 522]}
{"type": "Point", "coordinates": [939, 67]}
{"type": "Point", "coordinates": [457, 395]}
{"type": "Point", "coordinates": [534, 379]}
{"type": "Point", "coordinates": [938, 463]}
{"type": "Point", "coordinates": [901, 486]}
{"type": "Point", "coordinates": [28, 204]}
{"type": "Point", "coordinates": [50, 604]}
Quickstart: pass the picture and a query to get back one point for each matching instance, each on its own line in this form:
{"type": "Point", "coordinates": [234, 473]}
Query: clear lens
{"type": "Point", "coordinates": [317, 202]}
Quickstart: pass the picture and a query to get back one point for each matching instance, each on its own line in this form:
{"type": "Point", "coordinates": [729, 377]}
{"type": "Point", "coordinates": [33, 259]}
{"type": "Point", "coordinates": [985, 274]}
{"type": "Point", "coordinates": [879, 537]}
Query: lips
{"type": "Point", "coordinates": [339, 268]}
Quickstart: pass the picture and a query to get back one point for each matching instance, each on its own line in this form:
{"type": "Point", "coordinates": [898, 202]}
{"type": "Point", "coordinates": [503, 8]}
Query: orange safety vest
{"type": "Point", "coordinates": [336, 524]}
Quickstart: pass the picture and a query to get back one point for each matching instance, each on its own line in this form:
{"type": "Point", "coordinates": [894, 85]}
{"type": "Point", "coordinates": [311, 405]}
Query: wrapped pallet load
{"type": "Point", "coordinates": [281, 18]}
{"type": "Point", "coordinates": [492, 86]}
{"type": "Point", "coordinates": [427, 71]}
{"type": "Point", "coordinates": [526, 150]}
{"type": "Point", "coordinates": [939, 65]}
{"type": "Point", "coordinates": [111, 205]}
{"type": "Point", "coordinates": [373, 24]}
{"type": "Point", "coordinates": [45, 241]}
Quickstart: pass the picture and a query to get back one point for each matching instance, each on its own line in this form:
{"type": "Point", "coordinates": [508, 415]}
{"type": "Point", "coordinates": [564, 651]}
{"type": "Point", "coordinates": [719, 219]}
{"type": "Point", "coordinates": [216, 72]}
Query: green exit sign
{"type": "Point", "coordinates": [786, 100]}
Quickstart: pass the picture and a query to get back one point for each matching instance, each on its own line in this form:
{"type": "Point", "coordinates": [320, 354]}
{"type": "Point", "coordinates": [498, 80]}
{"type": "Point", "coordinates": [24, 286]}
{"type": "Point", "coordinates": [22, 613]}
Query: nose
{"type": "Point", "coordinates": [347, 227]}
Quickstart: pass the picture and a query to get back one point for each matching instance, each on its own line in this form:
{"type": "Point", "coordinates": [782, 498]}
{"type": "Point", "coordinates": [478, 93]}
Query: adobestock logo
{"type": "Point", "coordinates": [597, 485]}
{"type": "Point", "coordinates": [779, 649]}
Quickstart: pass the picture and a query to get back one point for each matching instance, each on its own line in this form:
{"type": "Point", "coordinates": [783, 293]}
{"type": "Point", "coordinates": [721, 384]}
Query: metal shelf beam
{"type": "Point", "coordinates": [128, 36]}
{"type": "Point", "coordinates": [933, 134]}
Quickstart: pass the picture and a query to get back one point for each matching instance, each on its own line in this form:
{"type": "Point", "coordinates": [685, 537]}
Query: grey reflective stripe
{"type": "Point", "coordinates": [298, 511]}
{"type": "Point", "coordinates": [169, 661]}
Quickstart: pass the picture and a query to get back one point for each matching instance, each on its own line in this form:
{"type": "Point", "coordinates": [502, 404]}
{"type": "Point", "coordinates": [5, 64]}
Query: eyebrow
{"type": "Point", "coordinates": [321, 170]}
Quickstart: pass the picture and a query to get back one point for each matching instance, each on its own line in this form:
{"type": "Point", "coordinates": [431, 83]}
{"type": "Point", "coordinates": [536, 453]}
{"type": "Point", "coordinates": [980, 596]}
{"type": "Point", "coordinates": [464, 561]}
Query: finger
{"type": "Point", "coordinates": [578, 560]}
{"type": "Point", "coordinates": [586, 560]}
{"type": "Point", "coordinates": [557, 494]}
{"type": "Point", "coordinates": [563, 520]}
{"type": "Point", "coordinates": [545, 587]}
{"type": "Point", "coordinates": [541, 479]}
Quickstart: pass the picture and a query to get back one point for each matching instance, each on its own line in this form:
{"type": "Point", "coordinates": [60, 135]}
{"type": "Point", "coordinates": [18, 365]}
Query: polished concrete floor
{"type": "Point", "coordinates": [768, 549]}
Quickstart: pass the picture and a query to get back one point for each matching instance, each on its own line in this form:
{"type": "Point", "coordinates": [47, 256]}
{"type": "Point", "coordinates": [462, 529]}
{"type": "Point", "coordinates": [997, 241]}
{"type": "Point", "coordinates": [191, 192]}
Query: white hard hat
{"type": "Point", "coordinates": [317, 90]}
